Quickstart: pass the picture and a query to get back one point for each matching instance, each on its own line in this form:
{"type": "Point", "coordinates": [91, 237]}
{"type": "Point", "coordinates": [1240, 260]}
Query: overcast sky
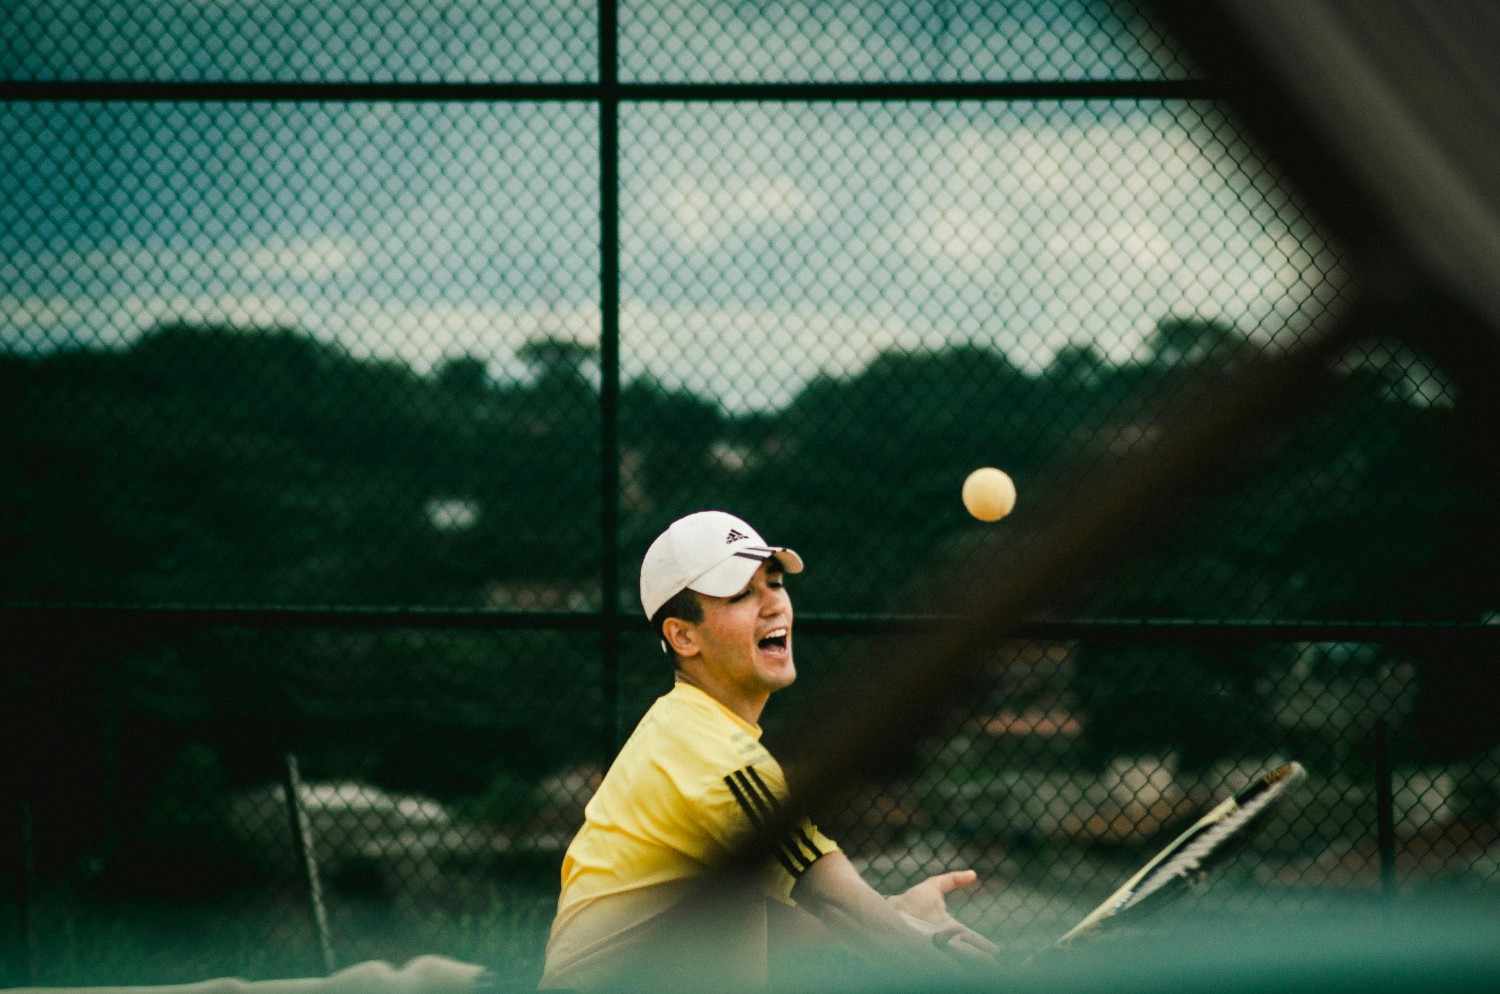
{"type": "Point", "coordinates": [760, 244]}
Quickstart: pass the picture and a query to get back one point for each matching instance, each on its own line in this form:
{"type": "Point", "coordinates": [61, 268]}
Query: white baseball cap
{"type": "Point", "coordinates": [712, 552]}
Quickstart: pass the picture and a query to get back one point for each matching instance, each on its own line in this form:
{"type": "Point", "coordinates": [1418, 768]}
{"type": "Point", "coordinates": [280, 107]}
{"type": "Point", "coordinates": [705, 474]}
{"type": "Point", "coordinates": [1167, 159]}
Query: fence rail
{"type": "Point", "coordinates": [1145, 629]}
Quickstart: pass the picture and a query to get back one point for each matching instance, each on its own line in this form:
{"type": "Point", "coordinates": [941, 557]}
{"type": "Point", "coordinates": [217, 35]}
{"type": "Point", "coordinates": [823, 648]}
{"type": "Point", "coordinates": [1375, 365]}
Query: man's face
{"type": "Point", "coordinates": [746, 638]}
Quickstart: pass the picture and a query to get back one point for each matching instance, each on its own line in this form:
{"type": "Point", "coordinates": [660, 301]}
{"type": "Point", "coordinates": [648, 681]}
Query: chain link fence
{"type": "Point", "coordinates": [353, 354]}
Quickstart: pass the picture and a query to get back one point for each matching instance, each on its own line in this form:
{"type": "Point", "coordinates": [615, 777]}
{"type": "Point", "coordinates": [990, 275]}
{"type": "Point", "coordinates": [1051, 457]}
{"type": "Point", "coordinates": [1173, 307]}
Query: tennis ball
{"type": "Point", "coordinates": [989, 494]}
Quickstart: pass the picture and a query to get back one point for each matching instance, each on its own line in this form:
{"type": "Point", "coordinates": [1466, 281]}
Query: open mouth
{"type": "Point", "coordinates": [774, 641]}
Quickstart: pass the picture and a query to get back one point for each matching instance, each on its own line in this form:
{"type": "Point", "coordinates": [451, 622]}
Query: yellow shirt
{"type": "Point", "coordinates": [691, 782]}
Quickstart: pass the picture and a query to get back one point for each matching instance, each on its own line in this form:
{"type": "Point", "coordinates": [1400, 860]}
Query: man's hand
{"type": "Point", "coordinates": [925, 907]}
{"type": "Point", "coordinates": [913, 929]}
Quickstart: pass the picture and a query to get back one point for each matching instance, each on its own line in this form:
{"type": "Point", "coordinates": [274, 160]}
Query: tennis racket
{"type": "Point", "coordinates": [1188, 855]}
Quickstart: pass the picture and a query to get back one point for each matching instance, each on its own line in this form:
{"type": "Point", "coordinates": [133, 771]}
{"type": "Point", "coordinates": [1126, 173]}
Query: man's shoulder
{"type": "Point", "coordinates": [683, 730]}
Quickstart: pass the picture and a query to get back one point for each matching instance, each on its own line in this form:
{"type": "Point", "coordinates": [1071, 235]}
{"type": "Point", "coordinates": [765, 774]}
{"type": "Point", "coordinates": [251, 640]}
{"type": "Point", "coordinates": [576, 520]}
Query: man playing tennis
{"type": "Point", "coordinates": [693, 782]}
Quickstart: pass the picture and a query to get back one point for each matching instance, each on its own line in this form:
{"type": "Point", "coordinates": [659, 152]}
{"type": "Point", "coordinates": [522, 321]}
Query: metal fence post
{"type": "Point", "coordinates": [26, 954]}
{"type": "Point", "coordinates": [609, 371]}
{"type": "Point", "coordinates": [19, 963]}
{"type": "Point", "coordinates": [1385, 813]}
{"type": "Point", "coordinates": [307, 860]}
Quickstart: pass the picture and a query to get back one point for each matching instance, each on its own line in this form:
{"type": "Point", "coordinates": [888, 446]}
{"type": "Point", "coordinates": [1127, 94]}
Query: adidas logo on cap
{"type": "Point", "coordinates": [734, 536]}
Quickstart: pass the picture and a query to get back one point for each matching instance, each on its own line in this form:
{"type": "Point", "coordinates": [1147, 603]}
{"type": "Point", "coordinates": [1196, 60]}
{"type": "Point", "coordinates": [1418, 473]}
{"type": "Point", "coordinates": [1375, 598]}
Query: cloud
{"type": "Point", "coordinates": [316, 259]}
{"type": "Point", "coordinates": [704, 212]}
{"type": "Point", "coordinates": [420, 334]}
{"type": "Point", "coordinates": [751, 358]}
{"type": "Point", "coordinates": [42, 322]}
{"type": "Point", "coordinates": [1095, 227]}
{"type": "Point", "coordinates": [762, 246]}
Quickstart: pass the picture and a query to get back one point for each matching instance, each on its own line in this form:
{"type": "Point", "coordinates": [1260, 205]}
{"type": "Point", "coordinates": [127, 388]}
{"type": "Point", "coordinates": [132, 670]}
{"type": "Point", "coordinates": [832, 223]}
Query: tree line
{"type": "Point", "coordinates": [225, 466]}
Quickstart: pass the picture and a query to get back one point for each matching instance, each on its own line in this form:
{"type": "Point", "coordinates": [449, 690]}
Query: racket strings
{"type": "Point", "coordinates": [1194, 855]}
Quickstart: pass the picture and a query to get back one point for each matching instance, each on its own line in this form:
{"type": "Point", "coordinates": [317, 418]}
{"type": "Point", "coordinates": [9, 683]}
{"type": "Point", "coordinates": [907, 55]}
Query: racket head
{"type": "Point", "coordinates": [1185, 863]}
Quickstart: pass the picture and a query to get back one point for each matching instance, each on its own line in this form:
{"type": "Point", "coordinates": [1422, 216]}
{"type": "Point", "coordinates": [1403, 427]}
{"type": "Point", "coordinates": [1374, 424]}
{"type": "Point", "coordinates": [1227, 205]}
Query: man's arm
{"type": "Point", "coordinates": [913, 924]}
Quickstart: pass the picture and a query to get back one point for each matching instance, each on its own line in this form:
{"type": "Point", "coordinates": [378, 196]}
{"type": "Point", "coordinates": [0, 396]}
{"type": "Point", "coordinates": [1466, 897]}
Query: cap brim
{"type": "Point", "coordinates": [734, 573]}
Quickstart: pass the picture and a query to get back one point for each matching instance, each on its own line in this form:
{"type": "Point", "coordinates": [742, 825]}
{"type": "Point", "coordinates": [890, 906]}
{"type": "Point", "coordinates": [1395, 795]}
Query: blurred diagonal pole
{"type": "Point", "coordinates": [1385, 114]}
{"type": "Point", "coordinates": [871, 725]}
{"type": "Point", "coordinates": [912, 684]}
{"type": "Point", "coordinates": [870, 722]}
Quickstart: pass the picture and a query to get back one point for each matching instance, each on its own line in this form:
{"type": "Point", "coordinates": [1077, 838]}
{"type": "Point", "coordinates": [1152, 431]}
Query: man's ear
{"type": "Point", "coordinates": [681, 637]}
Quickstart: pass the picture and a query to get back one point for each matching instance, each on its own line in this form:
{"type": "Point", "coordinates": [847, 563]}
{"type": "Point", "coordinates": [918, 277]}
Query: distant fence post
{"type": "Point", "coordinates": [1385, 814]}
{"type": "Point", "coordinates": [19, 963]}
{"type": "Point", "coordinates": [22, 965]}
{"type": "Point", "coordinates": [307, 860]}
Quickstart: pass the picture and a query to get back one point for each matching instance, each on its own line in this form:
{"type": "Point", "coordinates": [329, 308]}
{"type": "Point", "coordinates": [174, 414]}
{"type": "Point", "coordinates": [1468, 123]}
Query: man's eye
{"type": "Point", "coordinates": [740, 596]}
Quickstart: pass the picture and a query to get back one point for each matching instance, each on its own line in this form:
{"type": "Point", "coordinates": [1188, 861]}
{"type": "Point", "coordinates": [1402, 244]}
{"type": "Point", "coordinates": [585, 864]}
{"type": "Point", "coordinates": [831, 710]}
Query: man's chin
{"type": "Point", "coordinates": [782, 676]}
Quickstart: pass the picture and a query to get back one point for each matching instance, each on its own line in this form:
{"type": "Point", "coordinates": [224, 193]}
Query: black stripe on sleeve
{"type": "Point", "coordinates": [764, 810]}
{"type": "Point", "coordinates": [790, 842]}
{"type": "Point", "coordinates": [755, 819]}
{"type": "Point", "coordinates": [739, 795]}
{"type": "Point", "coordinates": [767, 805]}
{"type": "Point", "coordinates": [764, 790]}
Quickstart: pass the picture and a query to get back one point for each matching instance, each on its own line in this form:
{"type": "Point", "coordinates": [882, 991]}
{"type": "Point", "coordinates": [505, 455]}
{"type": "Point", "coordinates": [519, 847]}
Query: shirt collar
{"type": "Point", "coordinates": [686, 690]}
